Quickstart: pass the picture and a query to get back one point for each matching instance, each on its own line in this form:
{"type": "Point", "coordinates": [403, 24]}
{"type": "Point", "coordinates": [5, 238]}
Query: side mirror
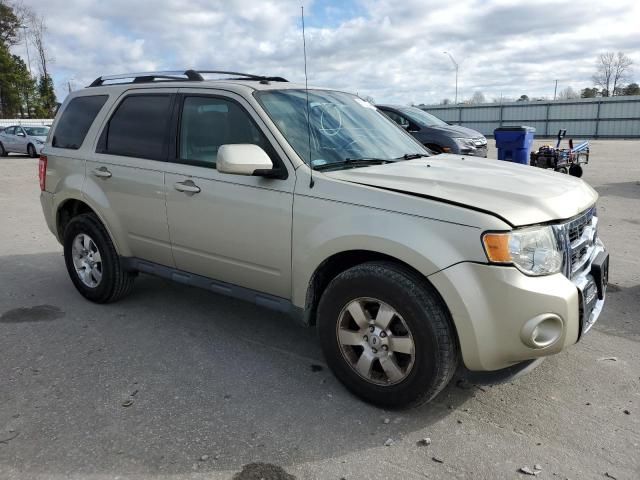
{"type": "Point", "coordinates": [245, 159]}
{"type": "Point", "coordinates": [20, 134]}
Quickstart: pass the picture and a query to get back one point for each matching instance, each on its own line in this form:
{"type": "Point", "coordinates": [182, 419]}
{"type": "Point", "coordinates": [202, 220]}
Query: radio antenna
{"type": "Point", "coordinates": [306, 90]}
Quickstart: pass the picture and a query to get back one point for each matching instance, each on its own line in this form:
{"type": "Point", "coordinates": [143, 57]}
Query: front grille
{"type": "Point", "coordinates": [579, 237]}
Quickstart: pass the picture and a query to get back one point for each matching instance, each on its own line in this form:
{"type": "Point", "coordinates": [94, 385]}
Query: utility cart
{"type": "Point", "coordinates": [563, 160]}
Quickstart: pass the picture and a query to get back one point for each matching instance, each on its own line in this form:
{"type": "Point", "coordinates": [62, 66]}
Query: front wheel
{"type": "Point", "coordinates": [31, 151]}
{"type": "Point", "coordinates": [387, 335]}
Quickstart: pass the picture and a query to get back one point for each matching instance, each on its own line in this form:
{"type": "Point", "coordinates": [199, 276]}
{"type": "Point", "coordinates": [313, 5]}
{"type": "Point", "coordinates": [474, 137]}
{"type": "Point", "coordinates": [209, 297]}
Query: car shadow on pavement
{"type": "Point", "coordinates": [171, 379]}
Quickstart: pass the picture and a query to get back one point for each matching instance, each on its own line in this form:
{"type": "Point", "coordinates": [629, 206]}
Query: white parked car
{"type": "Point", "coordinates": [23, 139]}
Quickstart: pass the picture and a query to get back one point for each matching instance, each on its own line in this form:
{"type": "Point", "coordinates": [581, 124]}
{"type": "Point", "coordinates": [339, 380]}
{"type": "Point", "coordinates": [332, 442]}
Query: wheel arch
{"type": "Point", "coordinates": [72, 207]}
{"type": "Point", "coordinates": [342, 261]}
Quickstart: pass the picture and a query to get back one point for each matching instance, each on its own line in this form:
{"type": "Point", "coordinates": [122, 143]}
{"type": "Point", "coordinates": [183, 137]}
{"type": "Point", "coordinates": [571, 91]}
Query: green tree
{"type": "Point", "coordinates": [631, 89]}
{"type": "Point", "coordinates": [47, 96]}
{"type": "Point", "coordinates": [9, 24]}
{"type": "Point", "coordinates": [589, 92]}
{"type": "Point", "coordinates": [523, 98]}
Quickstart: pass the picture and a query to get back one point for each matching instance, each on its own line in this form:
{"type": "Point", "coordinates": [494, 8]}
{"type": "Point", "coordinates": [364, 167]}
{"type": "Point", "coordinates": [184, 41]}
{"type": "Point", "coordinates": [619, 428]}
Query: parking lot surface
{"type": "Point", "coordinates": [177, 383]}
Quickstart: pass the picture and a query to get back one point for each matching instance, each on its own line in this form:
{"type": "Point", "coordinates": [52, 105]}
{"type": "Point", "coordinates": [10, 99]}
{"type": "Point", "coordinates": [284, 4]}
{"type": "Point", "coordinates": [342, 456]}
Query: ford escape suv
{"type": "Point", "coordinates": [315, 204]}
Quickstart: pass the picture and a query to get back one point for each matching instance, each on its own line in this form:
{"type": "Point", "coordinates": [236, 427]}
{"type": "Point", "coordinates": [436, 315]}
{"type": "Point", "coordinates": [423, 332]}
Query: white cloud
{"type": "Point", "coordinates": [390, 50]}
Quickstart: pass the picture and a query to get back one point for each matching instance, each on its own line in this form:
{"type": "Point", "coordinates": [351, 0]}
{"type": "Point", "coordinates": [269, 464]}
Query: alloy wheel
{"type": "Point", "coordinates": [87, 260]}
{"type": "Point", "coordinates": [375, 341]}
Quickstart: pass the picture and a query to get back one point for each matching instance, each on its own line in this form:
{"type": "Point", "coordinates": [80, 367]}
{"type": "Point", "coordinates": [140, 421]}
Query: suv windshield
{"type": "Point", "coordinates": [422, 118]}
{"type": "Point", "coordinates": [37, 131]}
{"type": "Point", "coordinates": [343, 127]}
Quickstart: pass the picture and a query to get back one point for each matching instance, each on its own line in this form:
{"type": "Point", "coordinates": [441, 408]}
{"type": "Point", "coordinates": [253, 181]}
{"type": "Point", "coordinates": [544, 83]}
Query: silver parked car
{"type": "Point", "coordinates": [23, 139]}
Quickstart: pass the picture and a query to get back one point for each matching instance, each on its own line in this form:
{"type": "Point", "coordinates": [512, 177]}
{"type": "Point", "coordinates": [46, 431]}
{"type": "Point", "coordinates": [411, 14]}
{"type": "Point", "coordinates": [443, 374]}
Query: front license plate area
{"type": "Point", "coordinates": [600, 273]}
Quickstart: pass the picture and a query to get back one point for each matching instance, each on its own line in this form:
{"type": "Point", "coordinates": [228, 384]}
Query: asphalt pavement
{"type": "Point", "coordinates": [178, 383]}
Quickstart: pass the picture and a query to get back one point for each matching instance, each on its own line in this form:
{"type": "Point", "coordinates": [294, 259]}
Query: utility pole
{"type": "Point", "coordinates": [455, 64]}
{"type": "Point", "coordinates": [555, 90]}
{"type": "Point", "coordinates": [26, 44]}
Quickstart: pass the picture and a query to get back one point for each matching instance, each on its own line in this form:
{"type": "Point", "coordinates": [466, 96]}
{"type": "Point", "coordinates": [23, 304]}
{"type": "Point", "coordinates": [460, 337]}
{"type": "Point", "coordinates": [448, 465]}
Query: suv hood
{"type": "Point", "coordinates": [519, 194]}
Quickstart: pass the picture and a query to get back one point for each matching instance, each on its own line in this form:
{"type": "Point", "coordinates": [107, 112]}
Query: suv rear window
{"type": "Point", "coordinates": [76, 121]}
{"type": "Point", "coordinates": [138, 128]}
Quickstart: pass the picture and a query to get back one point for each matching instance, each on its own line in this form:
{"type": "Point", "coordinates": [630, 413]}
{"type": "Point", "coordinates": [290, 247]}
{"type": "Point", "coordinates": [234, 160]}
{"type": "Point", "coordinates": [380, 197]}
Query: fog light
{"type": "Point", "coordinates": [542, 331]}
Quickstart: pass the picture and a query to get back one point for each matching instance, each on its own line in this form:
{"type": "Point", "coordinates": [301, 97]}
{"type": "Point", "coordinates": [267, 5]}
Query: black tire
{"type": "Point", "coordinates": [575, 170]}
{"type": "Point", "coordinates": [3, 152]}
{"type": "Point", "coordinates": [115, 282]}
{"type": "Point", "coordinates": [416, 301]}
{"type": "Point", "coordinates": [31, 151]}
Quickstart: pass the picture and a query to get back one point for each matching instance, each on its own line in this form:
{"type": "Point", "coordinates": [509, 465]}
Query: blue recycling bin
{"type": "Point", "coordinates": [514, 143]}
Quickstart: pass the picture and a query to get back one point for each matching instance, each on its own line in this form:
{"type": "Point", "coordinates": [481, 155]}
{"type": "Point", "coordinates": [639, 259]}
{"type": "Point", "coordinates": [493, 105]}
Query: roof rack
{"type": "Point", "coordinates": [180, 76]}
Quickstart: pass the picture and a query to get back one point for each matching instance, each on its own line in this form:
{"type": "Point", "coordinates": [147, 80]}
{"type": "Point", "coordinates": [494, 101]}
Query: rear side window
{"type": "Point", "coordinates": [76, 121]}
{"type": "Point", "coordinates": [139, 127]}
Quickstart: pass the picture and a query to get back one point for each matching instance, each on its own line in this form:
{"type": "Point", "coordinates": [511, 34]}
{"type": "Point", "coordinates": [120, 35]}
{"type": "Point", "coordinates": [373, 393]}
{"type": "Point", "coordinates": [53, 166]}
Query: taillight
{"type": "Point", "coordinates": [42, 172]}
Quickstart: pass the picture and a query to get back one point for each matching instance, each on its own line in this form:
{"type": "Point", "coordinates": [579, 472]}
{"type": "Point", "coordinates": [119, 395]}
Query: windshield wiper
{"type": "Point", "coordinates": [413, 156]}
{"type": "Point", "coordinates": [353, 162]}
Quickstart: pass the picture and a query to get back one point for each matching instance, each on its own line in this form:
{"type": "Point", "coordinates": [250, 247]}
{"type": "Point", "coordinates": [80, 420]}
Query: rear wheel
{"type": "Point", "coordinates": [92, 261]}
{"type": "Point", "coordinates": [3, 152]}
{"type": "Point", "coordinates": [31, 151]}
{"type": "Point", "coordinates": [387, 335]}
{"type": "Point", "coordinates": [575, 170]}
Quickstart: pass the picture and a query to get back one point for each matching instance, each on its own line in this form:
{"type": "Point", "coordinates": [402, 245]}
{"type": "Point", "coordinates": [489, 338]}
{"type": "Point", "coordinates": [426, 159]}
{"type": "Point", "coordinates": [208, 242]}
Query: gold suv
{"type": "Point", "coordinates": [314, 203]}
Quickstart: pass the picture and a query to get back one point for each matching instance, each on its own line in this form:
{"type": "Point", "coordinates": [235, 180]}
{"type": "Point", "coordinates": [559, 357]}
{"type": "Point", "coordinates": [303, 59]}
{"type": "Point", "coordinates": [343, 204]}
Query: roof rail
{"type": "Point", "coordinates": [179, 75]}
{"type": "Point", "coordinates": [243, 76]}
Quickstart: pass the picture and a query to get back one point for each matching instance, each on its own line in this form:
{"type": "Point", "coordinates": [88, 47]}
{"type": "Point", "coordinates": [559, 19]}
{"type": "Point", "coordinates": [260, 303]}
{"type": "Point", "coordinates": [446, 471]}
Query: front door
{"type": "Point", "coordinates": [127, 173]}
{"type": "Point", "coordinates": [20, 140]}
{"type": "Point", "coordinates": [232, 228]}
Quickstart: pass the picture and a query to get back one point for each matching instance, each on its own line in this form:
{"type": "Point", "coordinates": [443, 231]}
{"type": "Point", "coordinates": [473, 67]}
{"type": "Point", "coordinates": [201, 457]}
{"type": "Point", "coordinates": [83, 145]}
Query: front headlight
{"type": "Point", "coordinates": [465, 143]}
{"type": "Point", "coordinates": [38, 141]}
{"type": "Point", "coordinates": [534, 251]}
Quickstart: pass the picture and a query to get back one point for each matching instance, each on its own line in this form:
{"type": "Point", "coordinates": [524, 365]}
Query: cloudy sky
{"type": "Point", "coordinates": [391, 50]}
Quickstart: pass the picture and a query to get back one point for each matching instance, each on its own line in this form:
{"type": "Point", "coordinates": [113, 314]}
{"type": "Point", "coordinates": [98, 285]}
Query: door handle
{"type": "Point", "coordinates": [101, 172]}
{"type": "Point", "coordinates": [187, 187]}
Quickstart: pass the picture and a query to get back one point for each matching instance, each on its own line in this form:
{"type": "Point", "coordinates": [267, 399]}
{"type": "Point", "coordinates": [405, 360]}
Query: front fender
{"type": "Point", "coordinates": [324, 228]}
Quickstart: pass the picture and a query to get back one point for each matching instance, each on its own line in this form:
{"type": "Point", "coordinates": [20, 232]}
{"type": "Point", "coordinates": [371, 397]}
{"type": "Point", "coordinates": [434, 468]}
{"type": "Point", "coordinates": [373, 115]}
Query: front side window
{"type": "Point", "coordinates": [209, 122]}
{"type": "Point", "coordinates": [399, 119]}
{"type": "Point", "coordinates": [342, 127]}
{"type": "Point", "coordinates": [423, 118]}
{"type": "Point", "coordinates": [10, 130]}
{"type": "Point", "coordinates": [76, 120]}
{"type": "Point", "coordinates": [139, 127]}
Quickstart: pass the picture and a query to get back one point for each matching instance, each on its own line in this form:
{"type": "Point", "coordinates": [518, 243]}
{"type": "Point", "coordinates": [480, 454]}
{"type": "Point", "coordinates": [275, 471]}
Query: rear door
{"type": "Point", "coordinates": [7, 138]}
{"type": "Point", "coordinates": [235, 228]}
{"type": "Point", "coordinates": [127, 172]}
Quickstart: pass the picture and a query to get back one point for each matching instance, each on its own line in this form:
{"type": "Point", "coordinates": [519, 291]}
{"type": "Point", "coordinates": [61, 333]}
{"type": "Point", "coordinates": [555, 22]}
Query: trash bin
{"type": "Point", "coordinates": [514, 143]}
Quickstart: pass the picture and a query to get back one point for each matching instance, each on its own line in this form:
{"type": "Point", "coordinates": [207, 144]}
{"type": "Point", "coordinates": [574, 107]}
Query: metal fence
{"type": "Point", "coordinates": [7, 122]}
{"type": "Point", "coordinates": [615, 117]}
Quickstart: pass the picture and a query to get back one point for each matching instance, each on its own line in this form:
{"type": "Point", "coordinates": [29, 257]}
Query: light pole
{"type": "Point", "coordinates": [26, 44]}
{"type": "Point", "coordinates": [455, 64]}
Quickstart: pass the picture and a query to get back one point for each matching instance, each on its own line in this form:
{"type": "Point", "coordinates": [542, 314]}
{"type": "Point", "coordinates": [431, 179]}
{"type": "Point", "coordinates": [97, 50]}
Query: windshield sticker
{"type": "Point", "coordinates": [364, 103]}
